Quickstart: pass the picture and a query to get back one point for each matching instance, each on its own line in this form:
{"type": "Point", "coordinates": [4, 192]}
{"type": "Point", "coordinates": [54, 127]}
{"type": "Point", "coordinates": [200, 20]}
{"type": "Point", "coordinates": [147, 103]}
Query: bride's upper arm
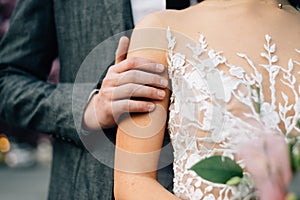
{"type": "Point", "coordinates": [140, 136]}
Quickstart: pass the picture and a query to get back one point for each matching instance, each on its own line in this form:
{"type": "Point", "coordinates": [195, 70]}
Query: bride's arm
{"type": "Point", "coordinates": [140, 136]}
{"type": "Point", "coordinates": [137, 157]}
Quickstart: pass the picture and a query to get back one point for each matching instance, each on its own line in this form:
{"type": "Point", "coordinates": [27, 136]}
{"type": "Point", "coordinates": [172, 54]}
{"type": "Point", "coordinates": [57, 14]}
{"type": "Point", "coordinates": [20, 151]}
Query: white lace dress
{"type": "Point", "coordinates": [211, 110]}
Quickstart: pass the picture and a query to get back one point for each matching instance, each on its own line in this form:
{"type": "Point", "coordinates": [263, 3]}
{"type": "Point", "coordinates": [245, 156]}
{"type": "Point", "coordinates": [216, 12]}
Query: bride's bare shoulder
{"type": "Point", "coordinates": [160, 19]}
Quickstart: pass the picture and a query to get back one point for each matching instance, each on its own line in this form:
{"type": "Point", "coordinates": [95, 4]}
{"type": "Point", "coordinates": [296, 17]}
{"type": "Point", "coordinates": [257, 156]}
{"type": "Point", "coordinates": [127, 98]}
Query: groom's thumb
{"type": "Point", "coordinates": [122, 49]}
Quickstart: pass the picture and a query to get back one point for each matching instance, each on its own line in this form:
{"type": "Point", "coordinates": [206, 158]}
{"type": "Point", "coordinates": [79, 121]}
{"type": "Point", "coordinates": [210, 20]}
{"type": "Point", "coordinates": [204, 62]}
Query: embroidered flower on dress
{"type": "Point", "coordinates": [237, 71]}
{"type": "Point", "coordinates": [216, 57]}
{"type": "Point", "coordinates": [178, 60]}
{"type": "Point", "coordinates": [297, 106]}
{"type": "Point", "coordinates": [199, 127]}
{"type": "Point", "coordinates": [269, 115]}
{"type": "Point", "coordinates": [209, 197]}
{"type": "Point", "coordinates": [197, 194]}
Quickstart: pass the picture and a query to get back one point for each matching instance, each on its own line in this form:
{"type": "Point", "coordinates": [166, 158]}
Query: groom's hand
{"type": "Point", "coordinates": [125, 80]}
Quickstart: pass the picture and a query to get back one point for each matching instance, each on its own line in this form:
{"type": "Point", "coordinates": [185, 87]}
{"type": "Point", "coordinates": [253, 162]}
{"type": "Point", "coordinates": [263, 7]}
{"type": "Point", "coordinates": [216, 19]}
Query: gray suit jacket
{"type": "Point", "coordinates": [40, 31]}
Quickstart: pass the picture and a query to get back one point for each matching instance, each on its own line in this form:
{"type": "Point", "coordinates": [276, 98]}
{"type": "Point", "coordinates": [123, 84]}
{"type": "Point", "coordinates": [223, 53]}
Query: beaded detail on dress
{"type": "Point", "coordinates": [203, 120]}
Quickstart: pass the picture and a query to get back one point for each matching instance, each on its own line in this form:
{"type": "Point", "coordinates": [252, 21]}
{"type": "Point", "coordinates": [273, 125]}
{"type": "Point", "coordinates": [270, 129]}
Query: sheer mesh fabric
{"type": "Point", "coordinates": [213, 110]}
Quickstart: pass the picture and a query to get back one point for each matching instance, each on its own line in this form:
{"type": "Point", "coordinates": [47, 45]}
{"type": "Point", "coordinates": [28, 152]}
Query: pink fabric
{"type": "Point", "coordinates": [53, 77]}
{"type": "Point", "coordinates": [6, 9]}
{"type": "Point", "coordinates": [267, 160]}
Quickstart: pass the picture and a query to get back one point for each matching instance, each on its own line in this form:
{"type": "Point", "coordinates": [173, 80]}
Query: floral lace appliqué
{"type": "Point", "coordinates": [200, 123]}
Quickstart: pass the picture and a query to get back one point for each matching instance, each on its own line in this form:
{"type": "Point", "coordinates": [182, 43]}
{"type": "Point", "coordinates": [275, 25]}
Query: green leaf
{"type": "Point", "coordinates": [294, 151]}
{"type": "Point", "coordinates": [234, 181]}
{"type": "Point", "coordinates": [291, 196]}
{"type": "Point", "coordinates": [218, 169]}
{"type": "Point", "coordinates": [293, 187]}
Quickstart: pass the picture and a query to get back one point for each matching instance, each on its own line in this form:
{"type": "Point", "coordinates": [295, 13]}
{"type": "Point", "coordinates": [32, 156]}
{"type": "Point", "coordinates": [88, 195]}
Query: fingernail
{"type": "Point", "coordinates": [160, 67]}
{"type": "Point", "coordinates": [161, 93]}
{"type": "Point", "coordinates": [164, 82]}
{"type": "Point", "coordinates": [151, 106]}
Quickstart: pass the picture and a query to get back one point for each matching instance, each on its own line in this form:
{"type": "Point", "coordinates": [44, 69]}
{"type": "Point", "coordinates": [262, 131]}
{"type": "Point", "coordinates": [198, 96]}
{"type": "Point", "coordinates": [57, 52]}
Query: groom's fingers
{"type": "Point", "coordinates": [131, 106]}
{"type": "Point", "coordinates": [122, 49]}
{"type": "Point", "coordinates": [142, 78]}
{"type": "Point", "coordinates": [122, 64]}
{"type": "Point", "coordinates": [128, 91]}
{"type": "Point", "coordinates": [137, 64]}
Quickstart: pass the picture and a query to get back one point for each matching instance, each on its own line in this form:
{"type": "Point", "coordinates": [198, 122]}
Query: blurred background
{"type": "Point", "coordinates": [25, 155]}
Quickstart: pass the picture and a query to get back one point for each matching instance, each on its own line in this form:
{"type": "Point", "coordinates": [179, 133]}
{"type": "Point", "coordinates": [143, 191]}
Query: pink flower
{"type": "Point", "coordinates": [267, 160]}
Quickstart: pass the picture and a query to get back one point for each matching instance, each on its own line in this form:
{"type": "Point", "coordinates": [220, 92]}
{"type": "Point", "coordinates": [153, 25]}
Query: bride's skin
{"type": "Point", "coordinates": [229, 26]}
